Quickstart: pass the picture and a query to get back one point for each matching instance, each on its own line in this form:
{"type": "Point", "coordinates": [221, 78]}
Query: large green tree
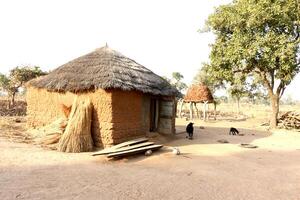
{"type": "Point", "coordinates": [238, 89]}
{"type": "Point", "coordinates": [177, 82]}
{"type": "Point", "coordinates": [207, 77]}
{"type": "Point", "coordinates": [258, 38]}
{"type": "Point", "coordinates": [17, 78]}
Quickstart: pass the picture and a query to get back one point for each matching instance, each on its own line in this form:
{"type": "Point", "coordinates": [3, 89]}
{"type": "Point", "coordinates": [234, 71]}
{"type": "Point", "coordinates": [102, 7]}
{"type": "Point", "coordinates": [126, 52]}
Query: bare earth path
{"type": "Point", "coordinates": [205, 170]}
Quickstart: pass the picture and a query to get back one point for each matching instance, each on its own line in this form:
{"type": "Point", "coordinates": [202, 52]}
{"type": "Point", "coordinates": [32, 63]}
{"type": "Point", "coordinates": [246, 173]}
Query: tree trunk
{"type": "Point", "coordinates": [238, 105]}
{"type": "Point", "coordinates": [215, 109]}
{"type": "Point", "coordinates": [12, 100]}
{"type": "Point", "coordinates": [275, 110]}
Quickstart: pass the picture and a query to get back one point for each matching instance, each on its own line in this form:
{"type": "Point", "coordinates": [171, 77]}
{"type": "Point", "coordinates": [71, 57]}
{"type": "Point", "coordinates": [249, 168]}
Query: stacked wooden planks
{"type": "Point", "coordinates": [128, 148]}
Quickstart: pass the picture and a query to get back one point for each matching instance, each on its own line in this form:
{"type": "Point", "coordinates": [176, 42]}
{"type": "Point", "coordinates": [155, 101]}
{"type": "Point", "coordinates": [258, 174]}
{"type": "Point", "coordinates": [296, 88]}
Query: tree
{"type": "Point", "coordinates": [207, 77]}
{"type": "Point", "coordinates": [176, 81]}
{"type": "Point", "coordinates": [257, 37]}
{"type": "Point", "coordinates": [17, 78]}
{"type": "Point", "coordinates": [237, 91]}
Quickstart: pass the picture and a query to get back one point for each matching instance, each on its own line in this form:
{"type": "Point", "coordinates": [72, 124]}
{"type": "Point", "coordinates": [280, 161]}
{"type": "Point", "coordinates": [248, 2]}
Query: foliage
{"type": "Point", "coordinates": [207, 77]}
{"type": "Point", "coordinates": [258, 38]}
{"type": "Point", "coordinates": [221, 99]}
{"type": "Point", "coordinates": [17, 78]}
{"type": "Point", "coordinates": [4, 82]}
{"type": "Point", "coordinates": [177, 82]}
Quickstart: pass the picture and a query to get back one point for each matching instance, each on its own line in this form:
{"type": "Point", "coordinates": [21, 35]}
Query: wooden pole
{"type": "Point", "coordinates": [180, 108]}
{"type": "Point", "coordinates": [191, 111]}
{"type": "Point", "coordinates": [195, 104]}
{"type": "Point", "coordinates": [204, 113]}
{"type": "Point", "coordinates": [207, 116]}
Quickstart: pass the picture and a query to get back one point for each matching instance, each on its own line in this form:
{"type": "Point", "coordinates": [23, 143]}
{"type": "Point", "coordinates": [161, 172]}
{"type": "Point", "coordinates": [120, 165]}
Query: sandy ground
{"type": "Point", "coordinates": [206, 169]}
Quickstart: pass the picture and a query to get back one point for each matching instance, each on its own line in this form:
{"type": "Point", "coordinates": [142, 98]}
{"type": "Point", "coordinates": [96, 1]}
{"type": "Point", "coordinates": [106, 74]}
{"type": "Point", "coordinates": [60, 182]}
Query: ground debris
{"type": "Point", "coordinates": [13, 131]}
{"type": "Point", "coordinates": [289, 120]}
{"type": "Point", "coordinates": [250, 146]}
{"type": "Point", "coordinates": [132, 147]}
{"type": "Point", "coordinates": [19, 109]}
{"type": "Point", "coordinates": [223, 141]}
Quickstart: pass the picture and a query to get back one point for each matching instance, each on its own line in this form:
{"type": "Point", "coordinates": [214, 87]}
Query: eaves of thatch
{"type": "Point", "coordinates": [103, 68]}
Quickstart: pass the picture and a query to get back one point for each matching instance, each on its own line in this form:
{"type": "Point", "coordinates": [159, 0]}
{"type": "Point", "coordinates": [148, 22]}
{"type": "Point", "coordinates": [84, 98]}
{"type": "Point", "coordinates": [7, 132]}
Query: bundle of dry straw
{"type": "Point", "coordinates": [77, 136]}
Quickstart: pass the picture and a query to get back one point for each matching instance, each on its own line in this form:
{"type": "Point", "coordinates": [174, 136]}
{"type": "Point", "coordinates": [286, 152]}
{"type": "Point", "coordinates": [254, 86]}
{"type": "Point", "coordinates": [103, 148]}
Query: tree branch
{"type": "Point", "coordinates": [266, 82]}
{"type": "Point", "coordinates": [272, 79]}
{"type": "Point", "coordinates": [280, 89]}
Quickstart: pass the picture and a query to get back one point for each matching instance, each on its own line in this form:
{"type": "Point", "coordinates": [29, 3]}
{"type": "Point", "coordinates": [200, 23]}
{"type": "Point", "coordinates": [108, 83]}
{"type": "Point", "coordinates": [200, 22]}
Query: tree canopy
{"type": "Point", "coordinates": [258, 38]}
{"type": "Point", "coordinates": [177, 82]}
{"type": "Point", "coordinates": [17, 78]}
{"type": "Point", "coordinates": [206, 76]}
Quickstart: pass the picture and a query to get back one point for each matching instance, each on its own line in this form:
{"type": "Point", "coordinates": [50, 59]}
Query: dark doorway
{"type": "Point", "coordinates": [153, 115]}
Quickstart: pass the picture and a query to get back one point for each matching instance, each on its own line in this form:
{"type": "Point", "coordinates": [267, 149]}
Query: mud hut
{"type": "Point", "coordinates": [128, 99]}
{"type": "Point", "coordinates": [198, 94]}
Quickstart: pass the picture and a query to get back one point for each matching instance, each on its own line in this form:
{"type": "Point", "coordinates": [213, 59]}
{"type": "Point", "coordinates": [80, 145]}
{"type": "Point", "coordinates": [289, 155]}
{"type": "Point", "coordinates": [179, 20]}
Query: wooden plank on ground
{"type": "Point", "coordinates": [124, 144]}
{"type": "Point", "coordinates": [135, 151]}
{"type": "Point", "coordinates": [143, 144]}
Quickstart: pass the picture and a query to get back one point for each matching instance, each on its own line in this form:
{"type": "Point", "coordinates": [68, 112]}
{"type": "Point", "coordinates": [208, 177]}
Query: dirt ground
{"type": "Point", "coordinates": [205, 169]}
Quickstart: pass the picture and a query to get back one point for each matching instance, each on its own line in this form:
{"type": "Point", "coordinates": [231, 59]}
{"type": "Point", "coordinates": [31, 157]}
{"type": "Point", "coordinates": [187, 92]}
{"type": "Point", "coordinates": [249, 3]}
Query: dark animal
{"type": "Point", "coordinates": [190, 130]}
{"type": "Point", "coordinates": [233, 131]}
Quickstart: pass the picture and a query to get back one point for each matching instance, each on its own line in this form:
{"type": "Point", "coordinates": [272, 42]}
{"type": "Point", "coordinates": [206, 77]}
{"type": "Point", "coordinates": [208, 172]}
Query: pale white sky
{"type": "Point", "coordinates": [161, 35]}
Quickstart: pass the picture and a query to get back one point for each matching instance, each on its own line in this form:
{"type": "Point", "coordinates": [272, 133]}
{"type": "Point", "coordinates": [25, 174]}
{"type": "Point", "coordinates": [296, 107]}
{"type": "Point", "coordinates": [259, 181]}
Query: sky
{"type": "Point", "coordinates": [161, 35]}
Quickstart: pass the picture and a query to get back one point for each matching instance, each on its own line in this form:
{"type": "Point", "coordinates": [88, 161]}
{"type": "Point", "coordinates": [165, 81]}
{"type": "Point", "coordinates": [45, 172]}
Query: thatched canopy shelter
{"type": "Point", "coordinates": [199, 94]}
{"type": "Point", "coordinates": [128, 99]}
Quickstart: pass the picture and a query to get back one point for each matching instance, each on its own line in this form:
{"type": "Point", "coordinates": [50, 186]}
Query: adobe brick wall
{"type": "Point", "coordinates": [44, 107]}
{"type": "Point", "coordinates": [118, 115]}
{"type": "Point", "coordinates": [129, 115]}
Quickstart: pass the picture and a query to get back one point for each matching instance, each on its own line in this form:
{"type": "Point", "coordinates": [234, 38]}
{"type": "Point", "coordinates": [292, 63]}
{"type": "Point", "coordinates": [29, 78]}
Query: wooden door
{"type": "Point", "coordinates": [154, 106]}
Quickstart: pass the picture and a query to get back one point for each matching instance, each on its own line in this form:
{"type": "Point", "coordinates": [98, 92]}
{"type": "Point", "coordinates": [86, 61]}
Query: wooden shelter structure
{"type": "Point", "coordinates": [128, 100]}
{"type": "Point", "coordinates": [199, 93]}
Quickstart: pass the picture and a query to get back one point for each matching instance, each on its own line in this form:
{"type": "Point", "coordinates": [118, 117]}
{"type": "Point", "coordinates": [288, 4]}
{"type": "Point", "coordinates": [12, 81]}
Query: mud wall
{"type": "Point", "coordinates": [44, 107]}
{"type": "Point", "coordinates": [117, 115]}
{"type": "Point", "coordinates": [129, 115]}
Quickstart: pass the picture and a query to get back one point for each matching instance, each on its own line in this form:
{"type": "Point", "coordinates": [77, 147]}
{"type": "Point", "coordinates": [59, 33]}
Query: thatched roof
{"type": "Point", "coordinates": [103, 68]}
{"type": "Point", "coordinates": [199, 94]}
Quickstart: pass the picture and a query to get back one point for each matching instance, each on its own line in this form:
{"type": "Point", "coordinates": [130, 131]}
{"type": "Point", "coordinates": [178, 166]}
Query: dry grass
{"type": "Point", "coordinates": [14, 129]}
{"type": "Point", "coordinates": [247, 111]}
{"type": "Point", "coordinates": [77, 136]}
{"type": "Point", "coordinates": [103, 68]}
{"type": "Point", "coordinates": [18, 110]}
